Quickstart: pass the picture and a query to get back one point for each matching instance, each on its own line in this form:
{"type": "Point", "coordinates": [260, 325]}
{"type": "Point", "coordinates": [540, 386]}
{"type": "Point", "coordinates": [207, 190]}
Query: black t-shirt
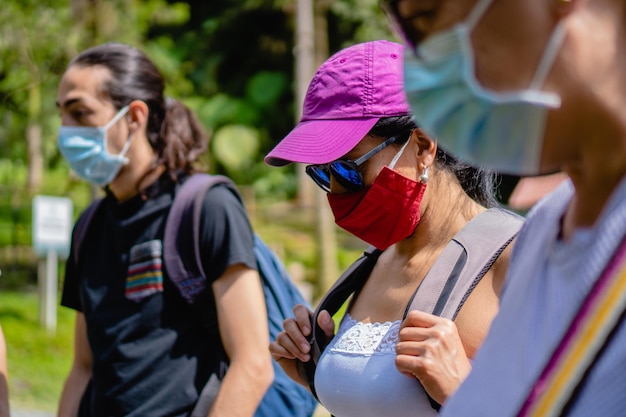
{"type": "Point", "coordinates": [151, 352]}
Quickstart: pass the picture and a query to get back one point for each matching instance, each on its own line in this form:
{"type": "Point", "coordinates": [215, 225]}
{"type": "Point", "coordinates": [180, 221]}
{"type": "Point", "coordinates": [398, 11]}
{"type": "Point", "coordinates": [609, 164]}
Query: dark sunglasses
{"type": "Point", "coordinates": [402, 25]}
{"type": "Point", "coordinates": [344, 171]}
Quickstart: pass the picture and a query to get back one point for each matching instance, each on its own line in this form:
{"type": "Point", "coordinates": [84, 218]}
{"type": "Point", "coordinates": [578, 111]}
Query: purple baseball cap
{"type": "Point", "coordinates": [348, 94]}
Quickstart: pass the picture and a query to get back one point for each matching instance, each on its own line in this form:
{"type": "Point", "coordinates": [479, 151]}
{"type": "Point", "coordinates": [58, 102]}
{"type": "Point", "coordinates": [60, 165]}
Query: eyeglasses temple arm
{"type": "Point", "coordinates": [375, 150]}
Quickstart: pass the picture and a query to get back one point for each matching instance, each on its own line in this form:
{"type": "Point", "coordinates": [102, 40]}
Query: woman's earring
{"type": "Point", "coordinates": [424, 176]}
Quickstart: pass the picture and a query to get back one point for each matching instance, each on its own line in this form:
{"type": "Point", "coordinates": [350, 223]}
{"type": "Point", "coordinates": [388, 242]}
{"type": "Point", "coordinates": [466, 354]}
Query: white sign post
{"type": "Point", "coordinates": [52, 229]}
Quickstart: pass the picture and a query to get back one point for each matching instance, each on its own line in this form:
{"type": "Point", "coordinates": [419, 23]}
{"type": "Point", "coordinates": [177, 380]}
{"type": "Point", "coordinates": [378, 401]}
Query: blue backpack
{"type": "Point", "coordinates": [284, 398]}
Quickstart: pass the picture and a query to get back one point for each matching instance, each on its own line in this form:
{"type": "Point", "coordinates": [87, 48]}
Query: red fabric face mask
{"type": "Point", "coordinates": [384, 213]}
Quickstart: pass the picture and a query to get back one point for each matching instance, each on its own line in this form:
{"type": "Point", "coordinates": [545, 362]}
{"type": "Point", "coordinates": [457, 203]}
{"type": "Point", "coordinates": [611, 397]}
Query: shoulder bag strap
{"type": "Point", "coordinates": [188, 276]}
{"type": "Point", "coordinates": [465, 260]}
{"type": "Point", "coordinates": [350, 281]}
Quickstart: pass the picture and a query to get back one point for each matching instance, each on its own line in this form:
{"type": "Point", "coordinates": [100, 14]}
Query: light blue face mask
{"type": "Point", "coordinates": [85, 149]}
{"type": "Point", "coordinates": [502, 131]}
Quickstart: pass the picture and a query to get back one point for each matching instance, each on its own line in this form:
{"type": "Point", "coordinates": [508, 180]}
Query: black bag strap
{"type": "Point", "coordinates": [465, 260]}
{"type": "Point", "coordinates": [351, 281]}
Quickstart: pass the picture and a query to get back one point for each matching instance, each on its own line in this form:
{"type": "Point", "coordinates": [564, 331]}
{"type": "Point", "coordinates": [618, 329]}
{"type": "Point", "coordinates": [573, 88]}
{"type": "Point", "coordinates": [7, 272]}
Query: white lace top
{"type": "Point", "coordinates": [357, 377]}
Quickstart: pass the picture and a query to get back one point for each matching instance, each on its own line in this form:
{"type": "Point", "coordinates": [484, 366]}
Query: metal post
{"type": "Point", "coordinates": [48, 294]}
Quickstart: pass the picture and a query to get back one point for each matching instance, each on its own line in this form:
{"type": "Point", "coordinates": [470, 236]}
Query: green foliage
{"type": "Point", "coordinates": [275, 184]}
{"type": "Point", "coordinates": [363, 19]}
{"type": "Point", "coordinates": [38, 361]}
{"type": "Point", "coordinates": [266, 88]}
{"type": "Point", "coordinates": [218, 110]}
{"type": "Point", "coordinates": [159, 12]}
{"type": "Point", "coordinates": [28, 62]}
{"type": "Point", "coordinates": [235, 146]}
{"type": "Point", "coordinates": [237, 56]}
{"type": "Point", "coordinates": [231, 61]}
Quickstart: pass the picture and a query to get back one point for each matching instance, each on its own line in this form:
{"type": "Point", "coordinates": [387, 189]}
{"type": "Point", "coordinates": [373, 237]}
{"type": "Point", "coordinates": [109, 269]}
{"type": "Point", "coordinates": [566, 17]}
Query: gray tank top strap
{"type": "Point", "coordinates": [465, 260]}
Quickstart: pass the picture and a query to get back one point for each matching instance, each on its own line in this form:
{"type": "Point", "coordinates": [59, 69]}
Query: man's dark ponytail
{"type": "Point", "coordinates": [184, 138]}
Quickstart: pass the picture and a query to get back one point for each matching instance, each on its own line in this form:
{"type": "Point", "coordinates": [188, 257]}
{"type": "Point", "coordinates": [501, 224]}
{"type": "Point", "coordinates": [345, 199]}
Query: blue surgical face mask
{"type": "Point", "coordinates": [85, 149]}
{"type": "Point", "coordinates": [502, 131]}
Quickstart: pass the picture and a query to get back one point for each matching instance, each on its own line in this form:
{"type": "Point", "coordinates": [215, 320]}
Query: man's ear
{"type": "Point", "coordinates": [426, 147]}
{"type": "Point", "coordinates": [138, 114]}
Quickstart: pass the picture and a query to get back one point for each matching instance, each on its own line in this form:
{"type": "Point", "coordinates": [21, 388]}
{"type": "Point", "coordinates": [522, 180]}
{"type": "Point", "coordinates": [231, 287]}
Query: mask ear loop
{"type": "Point", "coordinates": [477, 12]}
{"type": "Point", "coordinates": [116, 119]}
{"type": "Point", "coordinates": [122, 154]}
{"type": "Point", "coordinates": [399, 154]}
{"type": "Point", "coordinates": [552, 49]}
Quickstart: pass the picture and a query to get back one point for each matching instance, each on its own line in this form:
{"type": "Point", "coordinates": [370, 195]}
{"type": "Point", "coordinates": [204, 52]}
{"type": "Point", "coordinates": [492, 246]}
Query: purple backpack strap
{"type": "Point", "coordinates": [188, 277]}
{"type": "Point", "coordinates": [465, 260]}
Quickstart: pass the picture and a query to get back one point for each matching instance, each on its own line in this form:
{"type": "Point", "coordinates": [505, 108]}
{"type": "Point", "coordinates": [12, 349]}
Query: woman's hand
{"type": "Point", "coordinates": [292, 343]}
{"type": "Point", "coordinates": [429, 348]}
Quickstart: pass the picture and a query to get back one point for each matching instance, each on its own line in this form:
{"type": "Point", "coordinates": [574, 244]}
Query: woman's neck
{"type": "Point", "coordinates": [444, 214]}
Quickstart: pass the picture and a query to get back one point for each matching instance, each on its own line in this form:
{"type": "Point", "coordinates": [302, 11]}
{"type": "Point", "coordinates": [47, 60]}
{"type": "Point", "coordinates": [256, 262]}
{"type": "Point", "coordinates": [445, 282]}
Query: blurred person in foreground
{"type": "Point", "coordinates": [140, 349]}
{"type": "Point", "coordinates": [391, 185]}
{"type": "Point", "coordinates": [533, 87]}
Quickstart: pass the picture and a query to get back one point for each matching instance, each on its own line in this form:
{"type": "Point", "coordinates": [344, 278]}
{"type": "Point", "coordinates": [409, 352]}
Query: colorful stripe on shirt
{"type": "Point", "coordinates": [586, 336]}
{"type": "Point", "coordinates": [145, 270]}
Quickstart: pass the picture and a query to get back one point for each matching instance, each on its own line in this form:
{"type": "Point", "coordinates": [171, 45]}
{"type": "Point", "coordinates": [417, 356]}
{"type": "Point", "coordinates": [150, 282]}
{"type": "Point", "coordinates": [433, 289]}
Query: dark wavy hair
{"type": "Point", "coordinates": [478, 183]}
{"type": "Point", "coordinates": [173, 130]}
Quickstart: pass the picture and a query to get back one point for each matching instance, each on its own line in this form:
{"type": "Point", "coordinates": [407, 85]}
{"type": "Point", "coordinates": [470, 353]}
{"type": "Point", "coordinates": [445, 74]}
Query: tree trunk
{"type": "Point", "coordinates": [305, 68]}
{"type": "Point", "coordinates": [310, 53]}
{"type": "Point", "coordinates": [33, 138]}
{"type": "Point", "coordinates": [329, 269]}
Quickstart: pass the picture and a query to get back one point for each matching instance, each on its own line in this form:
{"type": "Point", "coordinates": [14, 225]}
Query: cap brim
{"type": "Point", "coordinates": [320, 141]}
